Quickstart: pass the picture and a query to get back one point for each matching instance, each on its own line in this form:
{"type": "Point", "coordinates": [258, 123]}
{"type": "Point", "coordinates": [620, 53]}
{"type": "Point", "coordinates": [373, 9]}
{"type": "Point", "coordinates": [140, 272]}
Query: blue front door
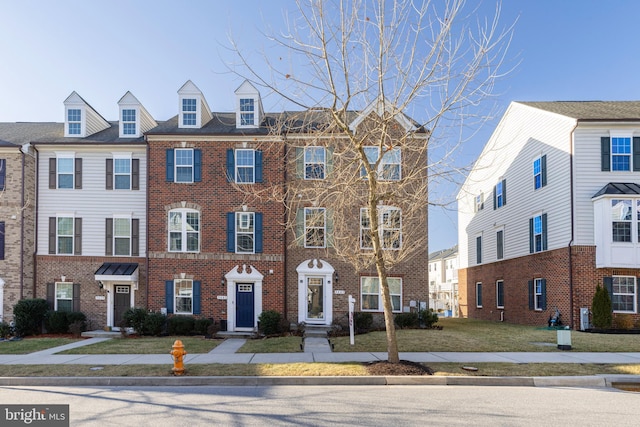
{"type": "Point", "coordinates": [244, 305]}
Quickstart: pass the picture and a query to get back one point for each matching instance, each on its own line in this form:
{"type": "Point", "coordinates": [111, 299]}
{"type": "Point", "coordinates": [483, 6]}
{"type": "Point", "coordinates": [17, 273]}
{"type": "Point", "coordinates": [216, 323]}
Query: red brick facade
{"type": "Point", "coordinates": [565, 276]}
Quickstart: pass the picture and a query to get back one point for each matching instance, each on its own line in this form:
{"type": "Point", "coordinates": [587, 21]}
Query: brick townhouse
{"type": "Point", "coordinates": [568, 222]}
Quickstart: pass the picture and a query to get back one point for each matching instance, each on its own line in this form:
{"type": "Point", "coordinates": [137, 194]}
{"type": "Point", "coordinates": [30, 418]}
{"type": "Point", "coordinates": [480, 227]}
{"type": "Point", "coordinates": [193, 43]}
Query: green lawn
{"type": "Point", "coordinates": [31, 345]}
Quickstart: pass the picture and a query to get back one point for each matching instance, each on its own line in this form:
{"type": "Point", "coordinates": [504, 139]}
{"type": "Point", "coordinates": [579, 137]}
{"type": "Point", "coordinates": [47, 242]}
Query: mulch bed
{"type": "Point", "coordinates": [405, 367]}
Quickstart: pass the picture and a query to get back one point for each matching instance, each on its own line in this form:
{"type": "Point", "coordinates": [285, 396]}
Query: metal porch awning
{"type": "Point", "coordinates": [117, 271]}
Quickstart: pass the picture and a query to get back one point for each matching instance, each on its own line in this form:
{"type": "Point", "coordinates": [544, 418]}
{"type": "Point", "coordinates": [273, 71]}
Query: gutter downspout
{"type": "Point", "coordinates": [571, 155]}
{"type": "Point", "coordinates": [35, 228]}
{"type": "Point", "coordinates": [146, 219]}
{"type": "Point", "coordinates": [22, 209]}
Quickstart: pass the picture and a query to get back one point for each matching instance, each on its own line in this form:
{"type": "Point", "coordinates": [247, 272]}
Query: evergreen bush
{"type": "Point", "coordinates": [601, 308]}
{"type": "Point", "coordinates": [154, 323]}
{"type": "Point", "coordinates": [407, 320]}
{"type": "Point", "coordinates": [135, 318]}
{"type": "Point", "coordinates": [362, 322]}
{"type": "Point", "coordinates": [270, 322]}
{"type": "Point", "coordinates": [201, 325]}
{"type": "Point", "coordinates": [180, 325]}
{"type": "Point", "coordinates": [428, 318]}
{"type": "Point", "coordinates": [29, 315]}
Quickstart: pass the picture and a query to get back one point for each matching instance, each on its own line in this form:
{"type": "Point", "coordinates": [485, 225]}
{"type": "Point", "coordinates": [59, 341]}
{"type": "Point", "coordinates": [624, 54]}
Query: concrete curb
{"type": "Point", "coordinates": [253, 381]}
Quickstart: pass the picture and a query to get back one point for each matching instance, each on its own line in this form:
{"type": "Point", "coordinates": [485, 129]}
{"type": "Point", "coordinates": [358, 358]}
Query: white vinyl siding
{"type": "Point", "coordinates": [93, 203]}
{"type": "Point", "coordinates": [508, 155]}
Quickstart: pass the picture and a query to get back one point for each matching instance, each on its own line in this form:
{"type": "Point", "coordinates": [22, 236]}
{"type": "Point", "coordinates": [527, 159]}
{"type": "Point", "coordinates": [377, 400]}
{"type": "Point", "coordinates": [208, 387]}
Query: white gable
{"type": "Point", "coordinates": [82, 120]}
{"type": "Point", "coordinates": [249, 110]}
{"type": "Point", "coordinates": [194, 116]}
{"type": "Point", "coordinates": [380, 106]}
{"type": "Point", "coordinates": [142, 120]}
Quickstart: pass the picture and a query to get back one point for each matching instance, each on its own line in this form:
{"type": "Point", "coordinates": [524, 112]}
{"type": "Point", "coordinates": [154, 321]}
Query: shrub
{"type": "Point", "coordinates": [428, 318]}
{"type": "Point", "coordinates": [154, 323]}
{"type": "Point", "coordinates": [407, 320]}
{"type": "Point", "coordinates": [601, 308]}
{"type": "Point", "coordinates": [362, 322]}
{"type": "Point", "coordinates": [180, 325]}
{"type": "Point", "coordinates": [77, 327]}
{"type": "Point", "coordinates": [200, 326]}
{"type": "Point", "coordinates": [5, 330]}
{"type": "Point", "coordinates": [270, 322]}
{"type": "Point", "coordinates": [623, 321]}
{"type": "Point", "coordinates": [29, 315]}
{"type": "Point", "coordinates": [56, 322]}
{"type": "Point", "coordinates": [212, 330]}
{"type": "Point", "coordinates": [135, 318]}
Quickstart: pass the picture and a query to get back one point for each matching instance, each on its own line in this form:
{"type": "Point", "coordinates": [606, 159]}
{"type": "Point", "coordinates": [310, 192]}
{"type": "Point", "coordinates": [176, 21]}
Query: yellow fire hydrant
{"type": "Point", "coordinates": [178, 354]}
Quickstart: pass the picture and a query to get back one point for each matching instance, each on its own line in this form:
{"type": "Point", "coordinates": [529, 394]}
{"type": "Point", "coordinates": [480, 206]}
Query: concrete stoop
{"type": "Point", "coordinates": [315, 339]}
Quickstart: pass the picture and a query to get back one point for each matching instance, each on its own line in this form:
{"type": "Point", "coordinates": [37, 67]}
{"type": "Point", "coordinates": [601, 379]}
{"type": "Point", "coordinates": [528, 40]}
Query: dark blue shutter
{"type": "Point", "coordinates": [3, 173]}
{"type": "Point", "coordinates": [608, 285]}
{"type": "Point", "coordinates": [258, 160]}
{"type": "Point", "coordinates": [1, 240]}
{"type": "Point", "coordinates": [636, 154]}
{"type": "Point", "coordinates": [168, 294]}
{"type": "Point", "coordinates": [605, 154]}
{"type": "Point", "coordinates": [543, 169]}
{"type": "Point", "coordinates": [231, 166]}
{"type": "Point", "coordinates": [196, 296]}
{"type": "Point", "coordinates": [531, 295]}
{"type": "Point", "coordinates": [543, 303]}
{"type": "Point", "coordinates": [197, 165]}
{"type": "Point", "coordinates": [544, 232]}
{"type": "Point", "coordinates": [531, 243]}
{"type": "Point", "coordinates": [504, 192]}
{"type": "Point", "coordinates": [231, 232]}
{"type": "Point", "coordinates": [258, 231]}
{"type": "Point", "coordinates": [170, 165]}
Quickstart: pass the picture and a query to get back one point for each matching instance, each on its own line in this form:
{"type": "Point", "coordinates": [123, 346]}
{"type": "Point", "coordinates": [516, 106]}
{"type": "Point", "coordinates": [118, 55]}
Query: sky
{"type": "Point", "coordinates": [564, 50]}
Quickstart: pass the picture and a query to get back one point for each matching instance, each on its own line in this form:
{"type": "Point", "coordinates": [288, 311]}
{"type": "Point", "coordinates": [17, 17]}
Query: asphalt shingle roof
{"type": "Point", "coordinates": [592, 110]}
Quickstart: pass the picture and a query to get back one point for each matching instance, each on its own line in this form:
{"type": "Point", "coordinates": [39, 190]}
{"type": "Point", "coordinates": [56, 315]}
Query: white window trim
{"type": "Point", "coordinates": [635, 295]}
{"type": "Point", "coordinates": [236, 167]}
{"type": "Point", "coordinates": [533, 167]}
{"type": "Point", "coordinates": [478, 286]}
{"type": "Point", "coordinates": [499, 204]}
{"type": "Point", "coordinates": [72, 157]}
{"type": "Point", "coordinates": [135, 122]}
{"type": "Point", "coordinates": [183, 232]}
{"type": "Point", "coordinates": [479, 202]}
{"type": "Point", "coordinates": [247, 231]}
{"type": "Point", "coordinates": [382, 163]}
{"type": "Point", "coordinates": [498, 229]}
{"type": "Point", "coordinates": [380, 302]}
{"type": "Point", "coordinates": [176, 166]}
{"type": "Point", "coordinates": [176, 296]}
{"type": "Point", "coordinates": [124, 156]}
{"type": "Point", "coordinates": [323, 163]}
{"type": "Point", "coordinates": [536, 306]}
{"type": "Point", "coordinates": [381, 227]}
{"type": "Point", "coordinates": [67, 122]}
{"type": "Point", "coordinates": [324, 227]}
{"type": "Point", "coordinates": [130, 237]}
{"type": "Point", "coordinates": [255, 112]}
{"type": "Point", "coordinates": [633, 222]}
{"type": "Point", "coordinates": [55, 298]}
{"type": "Point", "coordinates": [73, 233]}
{"type": "Point", "coordinates": [182, 111]}
{"type": "Point", "coordinates": [497, 302]}
{"type": "Point", "coordinates": [541, 234]}
{"type": "Point", "coordinates": [620, 134]}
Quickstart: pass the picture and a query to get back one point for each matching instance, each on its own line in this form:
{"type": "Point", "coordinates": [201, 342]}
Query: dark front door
{"type": "Point", "coordinates": [121, 302]}
{"type": "Point", "coordinates": [244, 305]}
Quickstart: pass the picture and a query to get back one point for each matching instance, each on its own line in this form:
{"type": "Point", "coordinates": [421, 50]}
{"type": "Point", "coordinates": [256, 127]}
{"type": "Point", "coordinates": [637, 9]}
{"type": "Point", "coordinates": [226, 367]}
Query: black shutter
{"type": "Point", "coordinates": [51, 295]}
{"type": "Point", "coordinates": [78, 173]}
{"type": "Point", "coordinates": [531, 243]}
{"type": "Point", "coordinates": [52, 173]}
{"type": "Point", "coordinates": [605, 154]}
{"type": "Point", "coordinates": [135, 237]}
{"type": "Point", "coordinates": [479, 250]}
{"type": "Point", "coordinates": [135, 174]}
{"type": "Point", "coordinates": [77, 236]}
{"type": "Point", "coordinates": [636, 154]}
{"type": "Point", "coordinates": [608, 285]}
{"type": "Point", "coordinates": [2, 240]}
{"type": "Point", "coordinates": [108, 179]}
{"type": "Point", "coordinates": [3, 173]}
{"type": "Point", "coordinates": [76, 297]}
{"type": "Point", "coordinates": [504, 192]}
{"type": "Point", "coordinates": [543, 303]}
{"type": "Point", "coordinates": [495, 196]}
{"type": "Point", "coordinates": [544, 232]}
{"type": "Point", "coordinates": [52, 234]}
{"type": "Point", "coordinates": [231, 166]}
{"type": "Point", "coordinates": [531, 295]}
{"type": "Point", "coordinates": [108, 232]}
{"type": "Point", "coordinates": [543, 169]}
{"type": "Point", "coordinates": [168, 293]}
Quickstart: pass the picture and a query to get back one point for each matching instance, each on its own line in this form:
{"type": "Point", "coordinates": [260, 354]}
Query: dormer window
{"type": "Point", "coordinates": [129, 122]}
{"type": "Point", "coordinates": [189, 112]}
{"type": "Point", "coordinates": [74, 121]}
{"type": "Point", "coordinates": [247, 112]}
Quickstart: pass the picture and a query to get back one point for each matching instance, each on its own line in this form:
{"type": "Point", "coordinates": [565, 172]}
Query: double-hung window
{"type": "Point", "coordinates": [479, 249]}
{"type": "Point", "coordinates": [245, 165]}
{"type": "Point", "coordinates": [122, 173]}
{"type": "Point", "coordinates": [500, 244]}
{"type": "Point", "coordinates": [183, 295]}
{"type": "Point", "coordinates": [184, 165]}
{"type": "Point", "coordinates": [479, 202]}
{"type": "Point", "coordinates": [315, 227]}
{"type": "Point", "coordinates": [314, 162]}
{"type": "Point", "coordinates": [479, 295]}
{"type": "Point", "coordinates": [500, 294]}
{"type": "Point", "coordinates": [64, 235]}
{"type": "Point", "coordinates": [189, 111]}
{"type": "Point", "coordinates": [245, 232]}
{"type": "Point", "coordinates": [500, 194]}
{"type": "Point", "coordinates": [389, 228]}
{"type": "Point", "coordinates": [65, 172]}
{"type": "Point", "coordinates": [247, 112]}
{"type": "Point", "coordinates": [64, 296]}
{"type": "Point", "coordinates": [129, 122]}
{"type": "Point", "coordinates": [623, 294]}
{"type": "Point", "coordinates": [538, 233]}
{"type": "Point", "coordinates": [389, 168]}
{"type": "Point", "coordinates": [122, 236]}
{"type": "Point", "coordinates": [621, 219]}
{"type": "Point", "coordinates": [620, 153]}
{"type": "Point", "coordinates": [74, 121]}
{"type": "Point", "coordinates": [184, 230]}
{"type": "Point", "coordinates": [540, 172]}
{"type": "Point", "coordinates": [371, 293]}
{"type": "Point", "coordinates": [538, 294]}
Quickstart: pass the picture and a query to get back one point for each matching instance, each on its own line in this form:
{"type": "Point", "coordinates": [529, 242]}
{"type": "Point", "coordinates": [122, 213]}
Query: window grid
{"type": "Point", "coordinates": [122, 236]}
{"type": "Point", "coordinates": [183, 295]}
{"type": "Point", "coordinates": [389, 168]}
{"type": "Point", "coordinates": [245, 232]}
{"type": "Point", "coordinates": [623, 299]}
{"type": "Point", "coordinates": [499, 195]}
{"type": "Point", "coordinates": [621, 215]}
{"type": "Point", "coordinates": [189, 108]}
{"type": "Point", "coordinates": [64, 296]}
{"type": "Point", "coordinates": [64, 235]}
{"type": "Point", "coordinates": [371, 293]}
{"type": "Point", "coordinates": [128, 122]}
{"type": "Point", "coordinates": [537, 234]}
{"type": "Point", "coordinates": [389, 228]}
{"type": "Point", "coordinates": [65, 172]}
{"type": "Point", "coordinates": [184, 165]}
{"type": "Point", "coordinates": [314, 226]}
{"type": "Point", "coordinates": [122, 174]}
{"type": "Point", "coordinates": [537, 173]}
{"type": "Point", "coordinates": [500, 294]}
{"type": "Point", "coordinates": [184, 231]}
{"type": "Point", "coordinates": [247, 112]}
{"type": "Point", "coordinates": [74, 120]}
{"type": "Point", "coordinates": [245, 166]}
{"type": "Point", "coordinates": [314, 162]}
{"type": "Point", "coordinates": [621, 153]}
{"type": "Point", "coordinates": [537, 285]}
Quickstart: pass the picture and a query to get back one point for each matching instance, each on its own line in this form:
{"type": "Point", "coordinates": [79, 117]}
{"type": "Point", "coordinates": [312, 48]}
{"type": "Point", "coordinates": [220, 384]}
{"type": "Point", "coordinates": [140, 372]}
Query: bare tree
{"type": "Point", "coordinates": [380, 83]}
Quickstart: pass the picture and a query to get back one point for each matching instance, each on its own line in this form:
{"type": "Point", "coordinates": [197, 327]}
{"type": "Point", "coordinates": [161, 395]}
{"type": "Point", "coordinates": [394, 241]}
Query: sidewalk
{"type": "Point", "coordinates": [226, 353]}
